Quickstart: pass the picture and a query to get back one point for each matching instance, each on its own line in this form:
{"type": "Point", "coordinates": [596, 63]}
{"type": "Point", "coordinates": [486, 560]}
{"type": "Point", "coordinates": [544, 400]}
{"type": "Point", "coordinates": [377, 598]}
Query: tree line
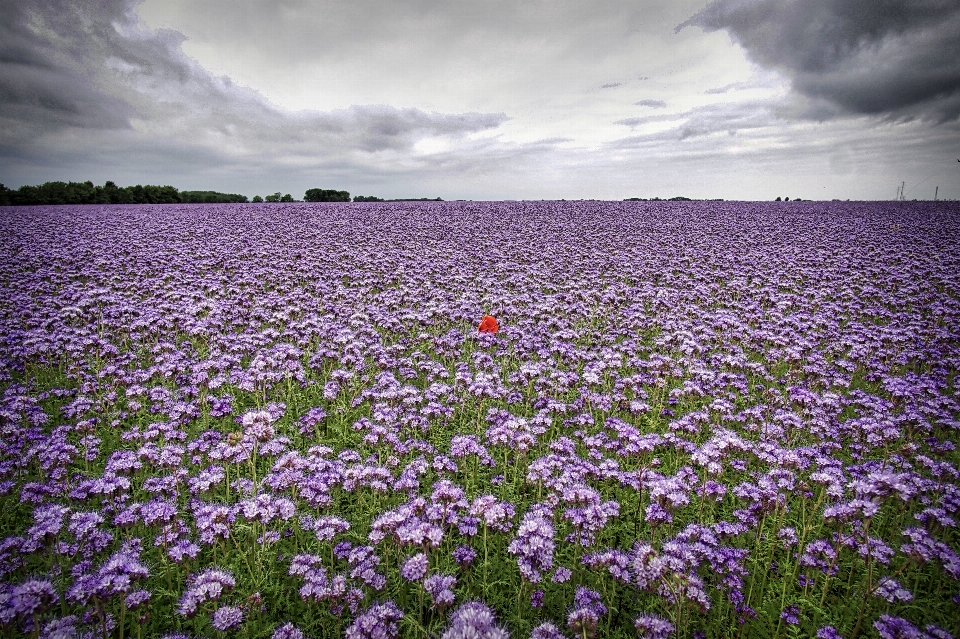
{"type": "Point", "coordinates": [89, 193]}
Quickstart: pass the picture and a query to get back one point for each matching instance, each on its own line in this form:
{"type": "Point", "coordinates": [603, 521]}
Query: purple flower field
{"type": "Point", "coordinates": [708, 419]}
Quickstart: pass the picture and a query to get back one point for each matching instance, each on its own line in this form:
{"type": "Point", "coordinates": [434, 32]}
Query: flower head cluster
{"type": "Point", "coordinates": [29, 598]}
{"type": "Point", "coordinates": [379, 621]}
{"type": "Point", "coordinates": [415, 568]}
{"type": "Point", "coordinates": [587, 609]}
{"type": "Point", "coordinates": [493, 513]}
{"type": "Point", "coordinates": [209, 585]}
{"type": "Point", "coordinates": [533, 544]}
{"type": "Point", "coordinates": [652, 627]}
{"type": "Point", "coordinates": [440, 589]}
{"type": "Point", "coordinates": [473, 619]}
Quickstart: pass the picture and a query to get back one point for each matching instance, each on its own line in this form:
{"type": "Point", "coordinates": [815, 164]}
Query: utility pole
{"type": "Point", "coordinates": [935, 191]}
{"type": "Point", "coordinates": [903, 195]}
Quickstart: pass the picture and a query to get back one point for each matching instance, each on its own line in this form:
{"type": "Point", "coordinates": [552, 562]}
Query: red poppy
{"type": "Point", "coordinates": [488, 324]}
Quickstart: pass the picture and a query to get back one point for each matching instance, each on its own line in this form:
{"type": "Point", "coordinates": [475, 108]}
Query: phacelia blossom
{"type": "Point", "coordinates": [379, 621]}
{"type": "Point", "coordinates": [533, 544]}
{"type": "Point", "coordinates": [474, 619]}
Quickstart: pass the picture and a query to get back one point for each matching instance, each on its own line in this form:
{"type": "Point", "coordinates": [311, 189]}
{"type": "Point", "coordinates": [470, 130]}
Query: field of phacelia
{"type": "Point", "coordinates": [695, 420]}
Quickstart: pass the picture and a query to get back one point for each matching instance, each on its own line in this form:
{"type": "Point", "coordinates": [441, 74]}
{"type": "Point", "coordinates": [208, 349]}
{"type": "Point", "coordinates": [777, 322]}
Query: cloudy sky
{"type": "Point", "coordinates": [486, 99]}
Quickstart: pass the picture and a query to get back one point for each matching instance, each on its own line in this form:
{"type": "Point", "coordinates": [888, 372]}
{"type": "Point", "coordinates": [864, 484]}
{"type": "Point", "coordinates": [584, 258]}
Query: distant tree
{"type": "Point", "coordinates": [4, 195]}
{"type": "Point", "coordinates": [211, 197]}
{"type": "Point", "coordinates": [367, 198]}
{"type": "Point", "coordinates": [326, 195]}
{"type": "Point", "coordinates": [786, 199]}
{"type": "Point", "coordinates": [287, 198]}
{"type": "Point", "coordinates": [273, 198]}
{"type": "Point", "coordinates": [779, 199]}
{"type": "Point", "coordinates": [257, 198]}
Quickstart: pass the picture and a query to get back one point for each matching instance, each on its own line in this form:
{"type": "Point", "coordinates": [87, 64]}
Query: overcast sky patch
{"type": "Point", "coordinates": [485, 99]}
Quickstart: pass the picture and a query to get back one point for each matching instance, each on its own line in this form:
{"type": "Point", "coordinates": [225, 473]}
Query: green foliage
{"type": "Point", "coordinates": [287, 198]}
{"type": "Point", "coordinates": [257, 199]}
{"type": "Point", "coordinates": [326, 195]}
{"type": "Point", "coordinates": [367, 198]}
{"type": "Point", "coordinates": [87, 193]}
{"type": "Point", "coordinates": [211, 197]}
{"type": "Point", "coordinates": [273, 198]}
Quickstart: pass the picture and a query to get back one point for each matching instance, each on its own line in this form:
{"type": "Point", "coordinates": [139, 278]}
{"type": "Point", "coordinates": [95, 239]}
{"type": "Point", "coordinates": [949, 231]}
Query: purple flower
{"type": "Point", "coordinates": [791, 615]}
{"type": "Point", "coordinates": [583, 622]}
{"type": "Point", "coordinates": [213, 521]}
{"type": "Point", "coordinates": [183, 549]}
{"type": "Point", "coordinates": [62, 628]}
{"type": "Point", "coordinates": [48, 523]}
{"type": "Point", "coordinates": [652, 627]}
{"type": "Point", "coordinates": [364, 561]}
{"type": "Point", "coordinates": [265, 508]}
{"type": "Point", "coordinates": [546, 630]}
{"type": "Point", "coordinates": [311, 419]}
{"type": "Point", "coordinates": [415, 568]}
{"type": "Point", "coordinates": [534, 544]}
{"type": "Point", "coordinates": [896, 628]}
{"type": "Point", "coordinates": [589, 599]}
{"type": "Point", "coordinates": [561, 575]}
{"type": "Point", "coordinates": [587, 609]}
{"type": "Point", "coordinates": [379, 621]}
{"type": "Point", "coordinates": [495, 514]}
{"type": "Point", "coordinates": [257, 425]}
{"type": "Point", "coordinates": [536, 599]}
{"type": "Point", "coordinates": [440, 588]}
{"type": "Point", "coordinates": [787, 537]}
{"type": "Point", "coordinates": [473, 620]}
{"type": "Point", "coordinates": [464, 555]}
{"type": "Point", "coordinates": [116, 576]}
{"type": "Point", "coordinates": [828, 632]}
{"type": "Point", "coordinates": [447, 501]}
{"type": "Point", "coordinates": [328, 527]}
{"type": "Point", "coordinates": [209, 585]}
{"type": "Point", "coordinates": [32, 597]}
{"type": "Point", "coordinates": [463, 445]}
{"type": "Point", "coordinates": [287, 631]}
{"type": "Point", "coordinates": [227, 618]}
{"type": "Point", "coordinates": [935, 632]}
{"type": "Point", "coordinates": [317, 585]}
{"type": "Point", "coordinates": [891, 590]}
{"type": "Point", "coordinates": [136, 599]}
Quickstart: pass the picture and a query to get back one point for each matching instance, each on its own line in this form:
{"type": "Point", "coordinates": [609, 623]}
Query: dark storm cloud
{"type": "Point", "coordinates": [89, 66]}
{"type": "Point", "coordinates": [899, 58]}
{"type": "Point", "coordinates": [39, 90]}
